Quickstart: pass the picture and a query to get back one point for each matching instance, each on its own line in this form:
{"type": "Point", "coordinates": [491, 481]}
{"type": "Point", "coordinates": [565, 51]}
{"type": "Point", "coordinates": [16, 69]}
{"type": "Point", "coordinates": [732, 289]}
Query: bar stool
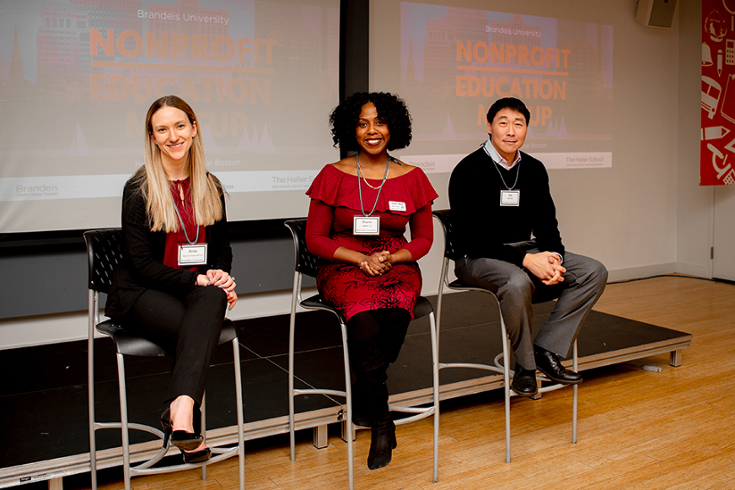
{"type": "Point", "coordinates": [105, 249]}
{"type": "Point", "coordinates": [500, 363]}
{"type": "Point", "coordinates": [306, 264]}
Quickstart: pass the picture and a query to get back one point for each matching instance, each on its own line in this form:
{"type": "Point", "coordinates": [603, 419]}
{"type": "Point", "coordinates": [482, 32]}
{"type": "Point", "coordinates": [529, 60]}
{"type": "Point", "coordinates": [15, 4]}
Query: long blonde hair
{"type": "Point", "coordinates": [154, 184]}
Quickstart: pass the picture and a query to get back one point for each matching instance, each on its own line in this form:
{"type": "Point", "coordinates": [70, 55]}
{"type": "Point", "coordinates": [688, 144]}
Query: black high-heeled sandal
{"type": "Point", "coordinates": [197, 456]}
{"type": "Point", "coordinates": [186, 441]}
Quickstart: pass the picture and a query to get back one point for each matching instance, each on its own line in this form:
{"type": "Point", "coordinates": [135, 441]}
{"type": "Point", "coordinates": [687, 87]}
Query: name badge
{"type": "Point", "coordinates": [193, 254]}
{"type": "Point", "coordinates": [510, 198]}
{"type": "Point", "coordinates": [397, 206]}
{"type": "Point", "coordinates": [362, 225]}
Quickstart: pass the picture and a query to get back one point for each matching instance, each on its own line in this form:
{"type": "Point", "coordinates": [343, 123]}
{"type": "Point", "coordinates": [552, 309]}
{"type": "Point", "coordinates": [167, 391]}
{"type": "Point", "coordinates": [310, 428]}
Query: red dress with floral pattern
{"type": "Point", "coordinates": [404, 200]}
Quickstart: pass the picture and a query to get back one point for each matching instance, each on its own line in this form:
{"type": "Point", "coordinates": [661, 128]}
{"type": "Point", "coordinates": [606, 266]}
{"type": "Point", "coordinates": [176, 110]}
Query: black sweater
{"type": "Point", "coordinates": [143, 268]}
{"type": "Point", "coordinates": [482, 227]}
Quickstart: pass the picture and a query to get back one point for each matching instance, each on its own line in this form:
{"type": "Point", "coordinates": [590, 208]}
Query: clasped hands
{"type": "Point", "coordinates": [546, 266]}
{"type": "Point", "coordinates": [221, 279]}
{"type": "Point", "coordinates": [377, 264]}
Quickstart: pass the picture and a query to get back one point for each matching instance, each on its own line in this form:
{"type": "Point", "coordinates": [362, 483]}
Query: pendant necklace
{"type": "Point", "coordinates": [390, 159]}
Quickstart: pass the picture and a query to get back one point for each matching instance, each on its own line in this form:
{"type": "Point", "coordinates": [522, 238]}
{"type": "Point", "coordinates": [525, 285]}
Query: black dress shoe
{"type": "Point", "coordinates": [524, 381]}
{"type": "Point", "coordinates": [182, 439]}
{"type": "Point", "coordinates": [197, 456]}
{"type": "Point", "coordinates": [550, 364]}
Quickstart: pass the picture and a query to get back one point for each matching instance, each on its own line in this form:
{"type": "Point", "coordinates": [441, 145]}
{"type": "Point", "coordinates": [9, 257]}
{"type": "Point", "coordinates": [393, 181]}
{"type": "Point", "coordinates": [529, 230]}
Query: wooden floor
{"type": "Point", "coordinates": [638, 429]}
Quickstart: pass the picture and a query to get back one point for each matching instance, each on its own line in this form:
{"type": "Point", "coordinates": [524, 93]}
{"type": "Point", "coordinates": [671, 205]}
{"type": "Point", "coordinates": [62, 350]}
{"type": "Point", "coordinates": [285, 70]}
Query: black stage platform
{"type": "Point", "coordinates": [43, 403]}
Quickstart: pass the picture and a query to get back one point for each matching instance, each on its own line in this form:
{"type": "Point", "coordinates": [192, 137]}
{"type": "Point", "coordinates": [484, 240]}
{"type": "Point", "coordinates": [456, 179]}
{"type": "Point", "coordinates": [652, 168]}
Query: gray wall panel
{"type": "Point", "coordinates": [48, 283]}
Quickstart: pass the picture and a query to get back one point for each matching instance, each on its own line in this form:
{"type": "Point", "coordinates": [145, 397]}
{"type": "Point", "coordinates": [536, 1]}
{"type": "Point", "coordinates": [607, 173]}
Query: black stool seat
{"type": "Point", "coordinates": [423, 307]}
{"type": "Point", "coordinates": [130, 344]}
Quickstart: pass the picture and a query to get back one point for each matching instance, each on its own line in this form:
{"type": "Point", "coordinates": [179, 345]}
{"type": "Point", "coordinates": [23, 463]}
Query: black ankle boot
{"type": "Point", "coordinates": [382, 443]}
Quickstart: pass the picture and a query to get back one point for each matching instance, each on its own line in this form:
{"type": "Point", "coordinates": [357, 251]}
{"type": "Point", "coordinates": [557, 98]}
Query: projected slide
{"type": "Point", "coordinates": [77, 77]}
{"type": "Point", "coordinates": [455, 62]}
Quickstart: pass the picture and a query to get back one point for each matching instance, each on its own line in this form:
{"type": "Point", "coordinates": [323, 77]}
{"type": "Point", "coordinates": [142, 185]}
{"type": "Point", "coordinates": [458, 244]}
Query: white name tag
{"type": "Point", "coordinates": [362, 225]}
{"type": "Point", "coordinates": [193, 254]}
{"type": "Point", "coordinates": [510, 198]}
{"type": "Point", "coordinates": [397, 206]}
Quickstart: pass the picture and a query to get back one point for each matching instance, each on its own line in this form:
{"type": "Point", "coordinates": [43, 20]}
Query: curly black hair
{"type": "Point", "coordinates": [390, 107]}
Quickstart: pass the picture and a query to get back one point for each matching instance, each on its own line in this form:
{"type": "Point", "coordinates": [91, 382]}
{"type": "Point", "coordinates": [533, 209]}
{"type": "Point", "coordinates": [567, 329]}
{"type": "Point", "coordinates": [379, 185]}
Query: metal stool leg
{"type": "Point", "coordinates": [204, 431]}
{"type": "Point", "coordinates": [435, 386]}
{"type": "Point", "coordinates": [238, 400]}
{"type": "Point", "coordinates": [124, 419]}
{"type": "Point", "coordinates": [574, 396]}
{"type": "Point", "coordinates": [506, 389]}
{"type": "Point", "coordinates": [90, 389]}
{"type": "Point", "coordinates": [348, 414]}
{"type": "Point", "coordinates": [291, 347]}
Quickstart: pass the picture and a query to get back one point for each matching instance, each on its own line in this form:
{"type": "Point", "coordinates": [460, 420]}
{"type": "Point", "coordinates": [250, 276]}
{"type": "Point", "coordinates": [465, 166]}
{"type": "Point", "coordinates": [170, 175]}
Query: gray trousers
{"type": "Point", "coordinates": [517, 289]}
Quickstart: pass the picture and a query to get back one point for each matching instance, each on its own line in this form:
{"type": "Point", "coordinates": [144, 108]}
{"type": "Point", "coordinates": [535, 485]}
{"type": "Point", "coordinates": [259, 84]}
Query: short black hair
{"type": "Point", "coordinates": [390, 107]}
{"type": "Point", "coordinates": [508, 103]}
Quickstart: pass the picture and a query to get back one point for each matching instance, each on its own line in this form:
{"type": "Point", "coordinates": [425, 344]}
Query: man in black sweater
{"type": "Point", "coordinates": [504, 221]}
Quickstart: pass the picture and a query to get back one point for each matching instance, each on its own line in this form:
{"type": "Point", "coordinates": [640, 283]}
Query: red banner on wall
{"type": "Point", "coordinates": [717, 133]}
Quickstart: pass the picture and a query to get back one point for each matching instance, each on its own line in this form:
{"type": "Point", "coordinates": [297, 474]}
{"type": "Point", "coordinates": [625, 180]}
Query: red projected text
{"type": "Point", "coordinates": [221, 80]}
{"type": "Point", "coordinates": [534, 74]}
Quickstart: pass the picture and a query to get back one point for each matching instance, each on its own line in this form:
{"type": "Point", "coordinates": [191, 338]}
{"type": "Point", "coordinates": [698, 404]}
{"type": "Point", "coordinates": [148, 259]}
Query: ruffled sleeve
{"type": "Point", "coordinates": [323, 190]}
{"type": "Point", "coordinates": [327, 185]}
{"type": "Point", "coordinates": [408, 196]}
{"type": "Point", "coordinates": [337, 188]}
{"type": "Point", "coordinates": [318, 235]}
{"type": "Point", "coordinates": [420, 190]}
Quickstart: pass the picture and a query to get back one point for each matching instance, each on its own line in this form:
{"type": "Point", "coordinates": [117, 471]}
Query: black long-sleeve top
{"type": "Point", "coordinates": [484, 228]}
{"type": "Point", "coordinates": [142, 267]}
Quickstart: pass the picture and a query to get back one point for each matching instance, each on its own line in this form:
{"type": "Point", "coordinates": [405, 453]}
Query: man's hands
{"type": "Point", "coordinates": [546, 266]}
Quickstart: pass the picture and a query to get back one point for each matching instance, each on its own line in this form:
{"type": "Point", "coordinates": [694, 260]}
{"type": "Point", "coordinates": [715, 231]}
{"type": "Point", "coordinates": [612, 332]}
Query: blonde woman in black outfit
{"type": "Point", "coordinates": [174, 285]}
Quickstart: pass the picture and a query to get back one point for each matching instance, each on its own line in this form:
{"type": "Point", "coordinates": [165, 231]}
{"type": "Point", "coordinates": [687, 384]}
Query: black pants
{"type": "Point", "coordinates": [374, 339]}
{"type": "Point", "coordinates": [189, 326]}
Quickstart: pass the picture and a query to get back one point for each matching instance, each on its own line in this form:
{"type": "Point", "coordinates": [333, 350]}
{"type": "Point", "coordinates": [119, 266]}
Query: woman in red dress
{"type": "Point", "coordinates": [359, 210]}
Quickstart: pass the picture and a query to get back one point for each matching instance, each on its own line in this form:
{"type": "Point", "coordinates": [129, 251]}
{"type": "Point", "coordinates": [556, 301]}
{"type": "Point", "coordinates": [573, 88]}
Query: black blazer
{"type": "Point", "coordinates": [142, 266]}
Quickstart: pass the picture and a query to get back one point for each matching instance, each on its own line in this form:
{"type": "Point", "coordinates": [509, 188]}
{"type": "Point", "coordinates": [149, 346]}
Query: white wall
{"type": "Point", "coordinates": [625, 216]}
{"type": "Point", "coordinates": [694, 203]}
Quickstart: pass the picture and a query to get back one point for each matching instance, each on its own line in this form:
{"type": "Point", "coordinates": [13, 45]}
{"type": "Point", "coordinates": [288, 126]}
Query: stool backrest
{"type": "Point", "coordinates": [306, 262]}
{"type": "Point", "coordinates": [104, 251]}
{"type": "Point", "coordinates": [444, 216]}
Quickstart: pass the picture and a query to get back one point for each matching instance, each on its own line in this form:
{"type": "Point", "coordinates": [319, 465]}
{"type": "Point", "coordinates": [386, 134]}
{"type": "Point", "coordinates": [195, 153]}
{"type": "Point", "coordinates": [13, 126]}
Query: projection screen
{"type": "Point", "coordinates": [77, 77]}
{"type": "Point", "coordinates": [451, 60]}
